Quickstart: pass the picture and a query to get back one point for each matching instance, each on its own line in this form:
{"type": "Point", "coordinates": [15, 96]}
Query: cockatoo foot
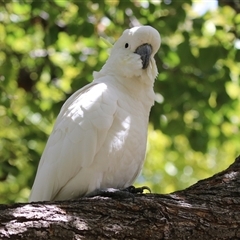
{"type": "Point", "coordinates": [134, 190]}
{"type": "Point", "coordinates": [121, 193]}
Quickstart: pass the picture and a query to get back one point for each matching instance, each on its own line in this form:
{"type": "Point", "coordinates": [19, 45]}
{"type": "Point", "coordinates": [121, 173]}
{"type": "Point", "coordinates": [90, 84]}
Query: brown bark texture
{"type": "Point", "coordinates": [210, 209]}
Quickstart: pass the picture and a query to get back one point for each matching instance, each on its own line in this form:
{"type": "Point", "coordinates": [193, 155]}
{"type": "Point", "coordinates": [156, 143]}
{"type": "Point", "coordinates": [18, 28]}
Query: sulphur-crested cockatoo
{"type": "Point", "coordinates": [99, 138]}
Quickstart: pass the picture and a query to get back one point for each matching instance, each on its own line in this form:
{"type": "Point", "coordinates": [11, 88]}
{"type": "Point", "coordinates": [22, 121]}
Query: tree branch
{"type": "Point", "coordinates": [209, 209]}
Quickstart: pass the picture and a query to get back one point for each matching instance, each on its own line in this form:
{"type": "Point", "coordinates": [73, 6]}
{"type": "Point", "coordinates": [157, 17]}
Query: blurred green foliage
{"type": "Point", "coordinates": [49, 49]}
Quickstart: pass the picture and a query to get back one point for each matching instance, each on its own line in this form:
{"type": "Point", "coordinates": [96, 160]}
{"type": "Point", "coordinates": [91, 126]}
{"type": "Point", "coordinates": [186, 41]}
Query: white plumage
{"type": "Point", "coordinates": [99, 138]}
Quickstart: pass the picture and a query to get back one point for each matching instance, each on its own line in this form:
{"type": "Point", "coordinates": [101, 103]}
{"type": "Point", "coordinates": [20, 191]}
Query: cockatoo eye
{"type": "Point", "coordinates": [126, 45]}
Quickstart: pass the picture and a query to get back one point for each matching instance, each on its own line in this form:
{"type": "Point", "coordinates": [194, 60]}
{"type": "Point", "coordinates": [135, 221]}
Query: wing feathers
{"type": "Point", "coordinates": [78, 134]}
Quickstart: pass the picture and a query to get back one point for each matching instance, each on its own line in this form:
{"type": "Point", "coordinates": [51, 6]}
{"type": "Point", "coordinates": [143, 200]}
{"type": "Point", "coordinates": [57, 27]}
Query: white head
{"type": "Point", "coordinates": [132, 56]}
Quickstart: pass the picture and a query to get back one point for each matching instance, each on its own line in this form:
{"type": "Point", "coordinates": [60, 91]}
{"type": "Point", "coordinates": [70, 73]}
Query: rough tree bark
{"type": "Point", "coordinates": [210, 209]}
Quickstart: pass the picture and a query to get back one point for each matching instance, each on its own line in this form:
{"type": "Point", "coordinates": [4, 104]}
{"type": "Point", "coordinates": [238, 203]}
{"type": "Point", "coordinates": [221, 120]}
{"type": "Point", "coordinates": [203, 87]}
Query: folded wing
{"type": "Point", "coordinates": [79, 132]}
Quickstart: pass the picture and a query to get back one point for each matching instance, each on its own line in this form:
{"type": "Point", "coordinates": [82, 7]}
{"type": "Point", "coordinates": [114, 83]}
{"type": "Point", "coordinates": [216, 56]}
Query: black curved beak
{"type": "Point", "coordinates": [145, 52]}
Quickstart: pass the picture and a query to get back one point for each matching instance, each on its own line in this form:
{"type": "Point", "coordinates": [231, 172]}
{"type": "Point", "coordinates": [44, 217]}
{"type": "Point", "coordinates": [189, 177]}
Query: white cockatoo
{"type": "Point", "coordinates": [99, 138]}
